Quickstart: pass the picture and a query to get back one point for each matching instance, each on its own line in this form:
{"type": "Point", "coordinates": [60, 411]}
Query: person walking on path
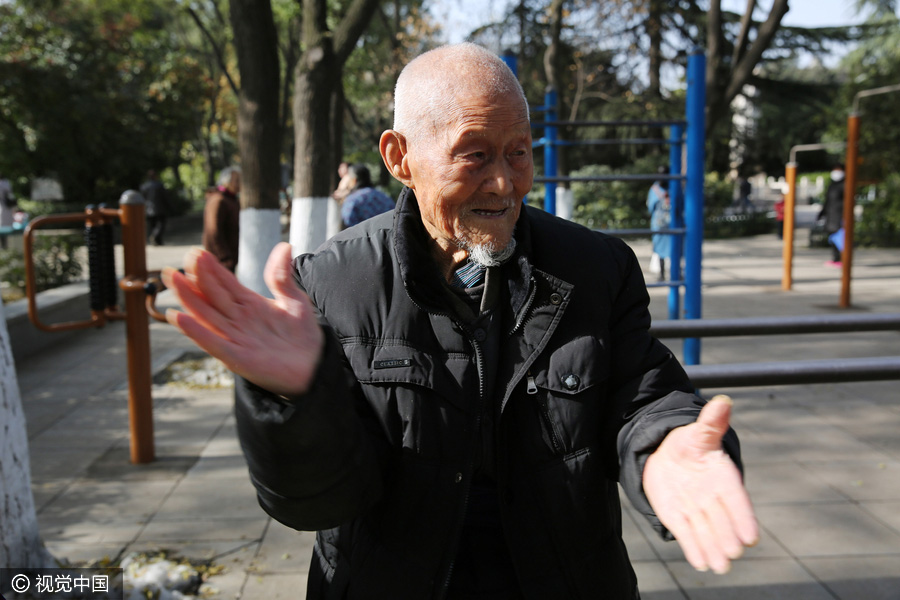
{"type": "Point", "coordinates": [833, 211]}
{"type": "Point", "coordinates": [450, 393]}
{"type": "Point", "coordinates": [157, 207]}
{"type": "Point", "coordinates": [364, 201]}
{"type": "Point", "coordinates": [658, 207]}
{"type": "Point", "coordinates": [221, 218]}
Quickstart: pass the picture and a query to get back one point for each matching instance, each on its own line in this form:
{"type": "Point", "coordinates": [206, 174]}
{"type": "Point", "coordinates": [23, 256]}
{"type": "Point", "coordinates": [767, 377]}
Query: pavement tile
{"type": "Point", "coordinates": [765, 579]}
{"type": "Point", "coordinates": [197, 499]}
{"type": "Point", "coordinates": [91, 531]}
{"type": "Point", "coordinates": [285, 550]}
{"type": "Point", "coordinates": [860, 479]}
{"type": "Point", "coordinates": [859, 578]}
{"type": "Point", "coordinates": [275, 586]}
{"type": "Point", "coordinates": [99, 499]}
{"type": "Point", "coordinates": [842, 529]}
{"type": "Point", "coordinates": [55, 463]}
{"type": "Point", "coordinates": [79, 553]}
{"type": "Point", "coordinates": [887, 512]}
{"type": "Point", "coordinates": [639, 549]}
{"type": "Point", "coordinates": [170, 464]}
{"type": "Point", "coordinates": [790, 444]}
{"type": "Point", "coordinates": [786, 482]}
{"type": "Point", "coordinates": [219, 467]}
{"type": "Point", "coordinates": [655, 582]}
{"type": "Point", "coordinates": [196, 531]}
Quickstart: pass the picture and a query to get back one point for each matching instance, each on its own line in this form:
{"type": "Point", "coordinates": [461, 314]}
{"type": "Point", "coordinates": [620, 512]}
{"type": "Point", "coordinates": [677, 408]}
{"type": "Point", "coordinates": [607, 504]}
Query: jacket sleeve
{"type": "Point", "coordinates": [311, 458]}
{"type": "Point", "coordinates": [652, 394]}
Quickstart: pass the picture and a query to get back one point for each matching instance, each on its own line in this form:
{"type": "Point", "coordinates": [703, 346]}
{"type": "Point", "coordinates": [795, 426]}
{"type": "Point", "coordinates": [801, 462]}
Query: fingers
{"type": "Point", "coordinates": [196, 304]}
{"type": "Point", "coordinates": [219, 286]}
{"type": "Point", "coordinates": [707, 537]}
{"type": "Point", "coordinates": [279, 272]}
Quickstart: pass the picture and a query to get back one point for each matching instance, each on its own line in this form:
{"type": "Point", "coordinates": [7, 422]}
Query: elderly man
{"type": "Point", "coordinates": [221, 218]}
{"type": "Point", "coordinates": [452, 399]}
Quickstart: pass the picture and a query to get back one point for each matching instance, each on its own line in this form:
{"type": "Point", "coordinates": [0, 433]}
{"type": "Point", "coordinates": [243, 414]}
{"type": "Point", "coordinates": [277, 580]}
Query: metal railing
{"type": "Point", "coordinates": [841, 370]}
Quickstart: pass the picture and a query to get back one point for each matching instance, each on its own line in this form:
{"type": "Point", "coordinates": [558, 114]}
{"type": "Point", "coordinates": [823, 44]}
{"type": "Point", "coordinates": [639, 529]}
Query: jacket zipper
{"type": "Point", "coordinates": [532, 389]}
{"type": "Point", "coordinates": [525, 309]}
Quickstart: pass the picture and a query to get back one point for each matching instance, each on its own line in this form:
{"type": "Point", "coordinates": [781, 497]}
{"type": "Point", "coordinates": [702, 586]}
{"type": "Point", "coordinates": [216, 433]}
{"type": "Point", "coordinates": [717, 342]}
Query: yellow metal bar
{"type": "Point", "coordinates": [790, 176]}
{"type": "Point", "coordinates": [849, 205]}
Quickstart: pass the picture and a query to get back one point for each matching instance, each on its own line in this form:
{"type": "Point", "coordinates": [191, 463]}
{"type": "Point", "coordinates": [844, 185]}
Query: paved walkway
{"type": "Point", "coordinates": [822, 461]}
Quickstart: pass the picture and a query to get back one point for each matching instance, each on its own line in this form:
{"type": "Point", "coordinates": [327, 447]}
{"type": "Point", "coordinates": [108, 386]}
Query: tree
{"type": "Point", "coordinates": [259, 136]}
{"type": "Point", "coordinates": [94, 93]}
{"type": "Point", "coordinates": [20, 542]}
{"type": "Point", "coordinates": [727, 74]}
{"type": "Point", "coordinates": [318, 91]}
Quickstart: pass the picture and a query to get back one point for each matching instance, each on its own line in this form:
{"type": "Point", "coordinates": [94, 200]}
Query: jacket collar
{"type": "Point", "coordinates": [420, 274]}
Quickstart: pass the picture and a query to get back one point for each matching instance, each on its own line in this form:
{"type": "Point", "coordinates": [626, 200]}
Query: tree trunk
{"type": "Point", "coordinates": [20, 542]}
{"type": "Point", "coordinates": [317, 86]}
{"type": "Point", "coordinates": [313, 158]}
{"type": "Point", "coordinates": [259, 139]}
{"type": "Point", "coordinates": [724, 80]}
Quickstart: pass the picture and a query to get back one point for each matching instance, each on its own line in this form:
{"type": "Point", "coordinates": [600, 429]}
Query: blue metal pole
{"type": "Point", "coordinates": [676, 202]}
{"type": "Point", "coordinates": [550, 167]}
{"type": "Point", "coordinates": [511, 61]}
{"type": "Point", "coordinates": [693, 209]}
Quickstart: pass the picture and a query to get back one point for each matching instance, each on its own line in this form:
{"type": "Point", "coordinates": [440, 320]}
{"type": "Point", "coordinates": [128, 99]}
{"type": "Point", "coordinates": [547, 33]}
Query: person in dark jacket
{"type": "Point", "coordinates": [833, 211]}
{"type": "Point", "coordinates": [221, 218]}
{"type": "Point", "coordinates": [364, 201]}
{"type": "Point", "coordinates": [455, 389]}
{"type": "Point", "coordinates": [157, 207]}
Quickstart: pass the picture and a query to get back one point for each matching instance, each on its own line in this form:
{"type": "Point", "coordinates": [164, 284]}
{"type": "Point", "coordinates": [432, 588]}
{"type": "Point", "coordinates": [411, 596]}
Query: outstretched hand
{"type": "Point", "coordinates": [275, 343]}
{"type": "Point", "coordinates": [697, 492]}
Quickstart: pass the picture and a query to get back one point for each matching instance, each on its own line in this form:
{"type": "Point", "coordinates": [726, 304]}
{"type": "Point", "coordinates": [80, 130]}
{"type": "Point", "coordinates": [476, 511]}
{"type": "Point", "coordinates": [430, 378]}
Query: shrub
{"type": "Point", "coordinates": [880, 222]}
{"type": "Point", "coordinates": [56, 263]}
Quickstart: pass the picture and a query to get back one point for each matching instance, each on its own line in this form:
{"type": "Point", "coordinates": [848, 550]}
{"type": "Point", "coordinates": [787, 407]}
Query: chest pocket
{"type": "Point", "coordinates": [418, 397]}
{"type": "Point", "coordinates": [571, 390]}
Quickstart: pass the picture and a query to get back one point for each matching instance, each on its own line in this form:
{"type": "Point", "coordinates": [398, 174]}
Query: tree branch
{"type": "Point", "coordinates": [744, 68]}
{"type": "Point", "coordinates": [713, 42]}
{"type": "Point", "coordinates": [352, 26]}
{"type": "Point", "coordinates": [217, 50]}
{"type": "Point", "coordinates": [740, 45]}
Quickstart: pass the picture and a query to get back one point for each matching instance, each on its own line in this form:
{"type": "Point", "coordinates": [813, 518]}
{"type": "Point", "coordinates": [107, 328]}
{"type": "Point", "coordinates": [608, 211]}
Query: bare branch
{"type": "Point", "coordinates": [217, 50]}
{"type": "Point", "coordinates": [740, 45]}
{"type": "Point", "coordinates": [351, 27]}
{"type": "Point", "coordinates": [744, 68]}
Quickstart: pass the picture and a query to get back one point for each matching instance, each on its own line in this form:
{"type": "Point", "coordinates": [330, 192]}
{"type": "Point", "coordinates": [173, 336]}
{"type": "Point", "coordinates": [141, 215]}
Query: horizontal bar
{"type": "Point", "coordinates": [841, 370]}
{"type": "Point", "coordinates": [641, 232]}
{"type": "Point", "coordinates": [836, 323]}
{"type": "Point", "coordinates": [649, 177]}
{"type": "Point", "coordinates": [612, 142]}
{"type": "Point", "coordinates": [606, 123]}
{"type": "Point", "coordinates": [670, 284]}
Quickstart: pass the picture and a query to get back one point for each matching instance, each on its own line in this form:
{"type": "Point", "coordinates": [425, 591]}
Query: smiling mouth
{"type": "Point", "coordinates": [485, 212]}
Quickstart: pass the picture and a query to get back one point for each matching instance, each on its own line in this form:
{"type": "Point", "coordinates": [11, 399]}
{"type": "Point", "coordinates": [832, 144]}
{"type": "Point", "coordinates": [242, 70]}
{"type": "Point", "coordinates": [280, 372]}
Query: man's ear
{"type": "Point", "coordinates": [394, 152]}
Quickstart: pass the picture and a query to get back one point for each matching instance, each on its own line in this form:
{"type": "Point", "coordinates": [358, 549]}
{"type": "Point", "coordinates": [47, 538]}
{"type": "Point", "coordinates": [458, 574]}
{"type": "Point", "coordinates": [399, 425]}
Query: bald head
{"type": "Point", "coordinates": [430, 86]}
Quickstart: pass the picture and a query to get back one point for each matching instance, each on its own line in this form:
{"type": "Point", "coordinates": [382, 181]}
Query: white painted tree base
{"type": "Point", "coordinates": [313, 221]}
{"type": "Point", "coordinates": [260, 230]}
{"type": "Point", "coordinates": [20, 541]}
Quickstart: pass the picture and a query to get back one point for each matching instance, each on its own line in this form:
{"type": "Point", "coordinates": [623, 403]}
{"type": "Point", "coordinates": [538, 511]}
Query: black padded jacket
{"type": "Point", "coordinates": [378, 455]}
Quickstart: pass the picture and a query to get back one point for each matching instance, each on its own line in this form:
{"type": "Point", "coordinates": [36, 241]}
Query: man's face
{"type": "Point", "coordinates": [471, 177]}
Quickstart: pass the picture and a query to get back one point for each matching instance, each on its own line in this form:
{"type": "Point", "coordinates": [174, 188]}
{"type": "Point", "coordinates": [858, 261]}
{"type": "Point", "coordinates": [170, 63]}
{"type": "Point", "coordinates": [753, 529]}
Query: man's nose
{"type": "Point", "coordinates": [499, 178]}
